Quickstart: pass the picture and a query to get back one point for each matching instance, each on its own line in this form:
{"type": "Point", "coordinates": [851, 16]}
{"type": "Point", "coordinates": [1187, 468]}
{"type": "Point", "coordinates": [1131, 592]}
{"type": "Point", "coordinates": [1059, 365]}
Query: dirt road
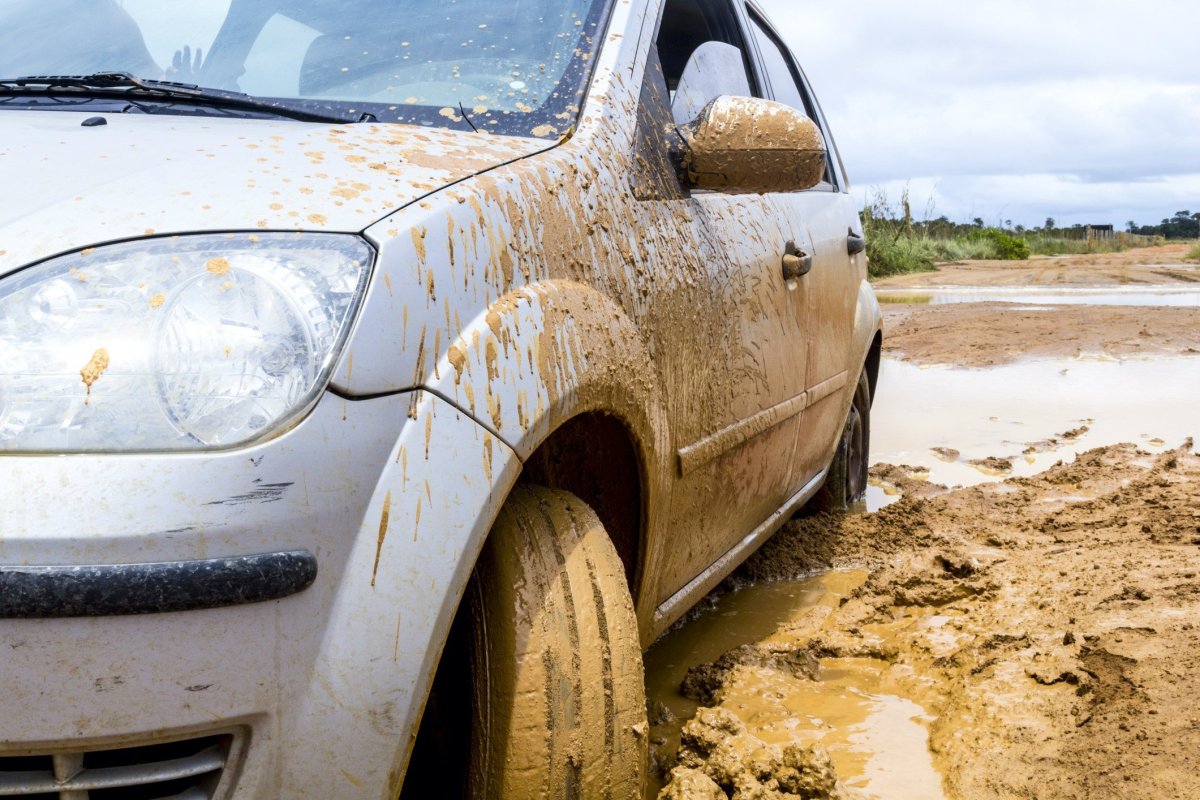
{"type": "Point", "coordinates": [1138, 303]}
{"type": "Point", "coordinates": [1030, 637]}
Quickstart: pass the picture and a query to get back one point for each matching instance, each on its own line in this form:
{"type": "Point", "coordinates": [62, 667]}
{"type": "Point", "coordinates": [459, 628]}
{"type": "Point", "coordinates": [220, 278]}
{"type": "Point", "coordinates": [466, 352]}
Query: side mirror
{"type": "Point", "coordinates": [746, 145]}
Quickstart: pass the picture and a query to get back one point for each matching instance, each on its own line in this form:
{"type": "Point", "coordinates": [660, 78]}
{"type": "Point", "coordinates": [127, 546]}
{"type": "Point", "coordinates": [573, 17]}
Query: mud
{"type": "Point", "coordinates": [993, 333]}
{"type": "Point", "coordinates": [1044, 625]}
{"type": "Point", "coordinates": [1017, 622]}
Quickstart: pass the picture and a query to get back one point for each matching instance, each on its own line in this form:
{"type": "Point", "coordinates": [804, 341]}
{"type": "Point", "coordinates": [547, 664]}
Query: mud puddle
{"type": "Point", "coordinates": [963, 427]}
{"type": "Point", "coordinates": [745, 652]}
{"type": "Point", "coordinates": [1045, 295]}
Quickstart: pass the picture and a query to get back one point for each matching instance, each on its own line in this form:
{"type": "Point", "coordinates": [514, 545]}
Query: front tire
{"type": "Point", "coordinates": [558, 688]}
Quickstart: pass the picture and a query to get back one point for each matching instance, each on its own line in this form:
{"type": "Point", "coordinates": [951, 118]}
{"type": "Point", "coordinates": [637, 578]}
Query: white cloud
{"type": "Point", "coordinates": [1084, 111]}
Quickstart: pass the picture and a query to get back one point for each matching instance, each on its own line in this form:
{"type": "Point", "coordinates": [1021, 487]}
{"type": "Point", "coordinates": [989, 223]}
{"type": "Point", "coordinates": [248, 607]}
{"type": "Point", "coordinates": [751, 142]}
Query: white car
{"type": "Point", "coordinates": [377, 380]}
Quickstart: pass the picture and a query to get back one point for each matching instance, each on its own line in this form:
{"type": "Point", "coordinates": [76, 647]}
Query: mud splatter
{"type": "Point", "coordinates": [217, 266]}
{"type": "Point", "coordinates": [92, 371]}
{"type": "Point", "coordinates": [383, 529]}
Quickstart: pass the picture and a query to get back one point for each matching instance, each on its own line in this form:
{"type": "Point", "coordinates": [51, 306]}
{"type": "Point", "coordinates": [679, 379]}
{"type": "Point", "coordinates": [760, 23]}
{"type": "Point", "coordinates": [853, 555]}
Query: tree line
{"type": "Point", "coordinates": [1184, 225]}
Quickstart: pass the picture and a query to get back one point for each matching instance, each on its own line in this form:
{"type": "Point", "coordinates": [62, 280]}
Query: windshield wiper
{"type": "Point", "coordinates": [124, 83]}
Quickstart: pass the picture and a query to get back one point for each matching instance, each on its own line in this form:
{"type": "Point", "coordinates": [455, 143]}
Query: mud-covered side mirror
{"type": "Point", "coordinates": [749, 145]}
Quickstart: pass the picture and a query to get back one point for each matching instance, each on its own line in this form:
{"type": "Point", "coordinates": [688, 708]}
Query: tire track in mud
{"type": "Point", "coordinates": [1044, 623]}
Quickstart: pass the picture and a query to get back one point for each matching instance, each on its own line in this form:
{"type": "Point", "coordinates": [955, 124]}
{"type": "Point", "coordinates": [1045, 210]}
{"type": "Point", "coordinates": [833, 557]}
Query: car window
{"type": "Point", "coordinates": [782, 76]}
{"type": "Point", "coordinates": [786, 84]}
{"type": "Point", "coordinates": [700, 42]}
{"type": "Point", "coordinates": [715, 69]}
{"type": "Point", "coordinates": [517, 67]}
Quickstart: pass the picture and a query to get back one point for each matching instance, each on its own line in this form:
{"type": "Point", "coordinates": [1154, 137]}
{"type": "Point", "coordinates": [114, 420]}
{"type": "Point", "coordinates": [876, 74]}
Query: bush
{"type": "Point", "coordinates": [1007, 248]}
{"type": "Point", "coordinates": [896, 255]}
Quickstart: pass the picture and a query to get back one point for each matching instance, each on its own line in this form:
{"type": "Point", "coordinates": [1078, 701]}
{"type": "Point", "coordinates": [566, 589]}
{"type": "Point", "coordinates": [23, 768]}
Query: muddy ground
{"type": "Point", "coordinates": [988, 334]}
{"type": "Point", "coordinates": [1034, 637]}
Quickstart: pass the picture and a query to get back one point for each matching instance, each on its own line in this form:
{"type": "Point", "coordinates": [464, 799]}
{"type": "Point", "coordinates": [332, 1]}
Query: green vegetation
{"type": "Point", "coordinates": [1184, 225]}
{"type": "Point", "coordinates": [1194, 253]}
{"type": "Point", "coordinates": [896, 243]}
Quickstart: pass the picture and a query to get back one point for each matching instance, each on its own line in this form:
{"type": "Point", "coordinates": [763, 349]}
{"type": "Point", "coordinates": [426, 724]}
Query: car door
{"type": "Point", "coordinates": [825, 216]}
{"type": "Point", "coordinates": [728, 351]}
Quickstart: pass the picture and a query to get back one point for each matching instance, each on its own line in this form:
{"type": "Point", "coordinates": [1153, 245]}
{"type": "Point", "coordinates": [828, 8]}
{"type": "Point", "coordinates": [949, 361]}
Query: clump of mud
{"type": "Point", "coordinates": [906, 480]}
{"type": "Point", "coordinates": [993, 465]}
{"type": "Point", "coordinates": [720, 760]}
{"type": "Point", "coordinates": [1054, 442]}
{"type": "Point", "coordinates": [946, 453]}
{"type": "Point", "coordinates": [834, 541]}
{"type": "Point", "coordinates": [703, 683]}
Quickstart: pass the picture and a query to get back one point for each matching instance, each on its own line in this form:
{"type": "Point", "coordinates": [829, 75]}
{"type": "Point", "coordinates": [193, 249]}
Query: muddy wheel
{"type": "Point", "coordinates": [847, 479]}
{"type": "Point", "coordinates": [559, 699]}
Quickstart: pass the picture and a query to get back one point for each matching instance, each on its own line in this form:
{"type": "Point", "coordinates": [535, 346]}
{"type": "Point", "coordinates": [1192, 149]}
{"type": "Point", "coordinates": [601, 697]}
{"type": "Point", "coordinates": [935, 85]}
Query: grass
{"type": "Point", "coordinates": [1194, 253]}
{"type": "Point", "coordinates": [1049, 245]}
{"type": "Point", "coordinates": [898, 244]}
{"type": "Point", "coordinates": [895, 249]}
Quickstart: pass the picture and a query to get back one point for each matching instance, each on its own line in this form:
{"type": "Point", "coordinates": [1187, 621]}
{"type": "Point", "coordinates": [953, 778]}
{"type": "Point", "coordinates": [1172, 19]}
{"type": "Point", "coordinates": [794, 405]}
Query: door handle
{"type": "Point", "coordinates": [855, 243]}
{"type": "Point", "coordinates": [796, 262]}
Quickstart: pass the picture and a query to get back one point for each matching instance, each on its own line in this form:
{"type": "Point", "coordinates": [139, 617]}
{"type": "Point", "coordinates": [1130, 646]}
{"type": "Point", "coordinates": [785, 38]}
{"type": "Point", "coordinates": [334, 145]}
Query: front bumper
{"type": "Point", "coordinates": [321, 686]}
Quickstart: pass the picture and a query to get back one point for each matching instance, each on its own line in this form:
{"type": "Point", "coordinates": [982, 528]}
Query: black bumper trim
{"type": "Point", "coordinates": [39, 592]}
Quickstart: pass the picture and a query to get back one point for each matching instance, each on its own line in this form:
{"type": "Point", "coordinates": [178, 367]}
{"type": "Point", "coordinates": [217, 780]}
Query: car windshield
{"type": "Point", "coordinates": [517, 67]}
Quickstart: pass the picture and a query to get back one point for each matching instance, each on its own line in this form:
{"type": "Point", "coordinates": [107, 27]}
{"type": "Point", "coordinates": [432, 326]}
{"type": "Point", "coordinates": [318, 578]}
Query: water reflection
{"type": "Point", "coordinates": [1045, 295]}
{"type": "Point", "coordinates": [876, 737]}
{"type": "Point", "coordinates": [1020, 412]}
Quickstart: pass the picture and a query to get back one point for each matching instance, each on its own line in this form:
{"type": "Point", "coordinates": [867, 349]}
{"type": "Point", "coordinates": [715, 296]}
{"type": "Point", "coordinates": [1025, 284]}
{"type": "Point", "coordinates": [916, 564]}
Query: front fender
{"type": "Point", "coordinates": [548, 352]}
{"type": "Point", "coordinates": [396, 597]}
{"type": "Point", "coordinates": [545, 353]}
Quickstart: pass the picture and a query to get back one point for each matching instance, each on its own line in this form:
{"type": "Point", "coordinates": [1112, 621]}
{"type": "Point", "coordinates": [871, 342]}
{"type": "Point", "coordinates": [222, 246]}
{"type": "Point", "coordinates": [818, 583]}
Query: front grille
{"type": "Point", "coordinates": [189, 769]}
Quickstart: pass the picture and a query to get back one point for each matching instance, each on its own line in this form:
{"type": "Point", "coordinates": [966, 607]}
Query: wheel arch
{"type": "Point", "coordinates": [560, 372]}
{"type": "Point", "coordinates": [868, 329]}
{"type": "Point", "coordinates": [874, 356]}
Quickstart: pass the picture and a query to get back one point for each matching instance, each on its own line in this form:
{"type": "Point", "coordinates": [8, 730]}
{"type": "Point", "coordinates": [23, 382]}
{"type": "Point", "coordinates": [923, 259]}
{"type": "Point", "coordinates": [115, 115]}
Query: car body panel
{"type": "Point", "coordinates": [694, 283]}
{"type": "Point", "coordinates": [143, 175]}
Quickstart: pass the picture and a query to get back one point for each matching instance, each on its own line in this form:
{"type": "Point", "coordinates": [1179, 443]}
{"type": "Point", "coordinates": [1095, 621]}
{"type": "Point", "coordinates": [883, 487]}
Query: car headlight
{"type": "Point", "coordinates": [183, 343]}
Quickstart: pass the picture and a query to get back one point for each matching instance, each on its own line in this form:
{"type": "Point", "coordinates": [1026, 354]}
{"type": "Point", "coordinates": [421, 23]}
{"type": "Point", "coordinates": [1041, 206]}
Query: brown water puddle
{"type": "Point", "coordinates": [859, 709]}
{"type": "Point", "coordinates": [1020, 412]}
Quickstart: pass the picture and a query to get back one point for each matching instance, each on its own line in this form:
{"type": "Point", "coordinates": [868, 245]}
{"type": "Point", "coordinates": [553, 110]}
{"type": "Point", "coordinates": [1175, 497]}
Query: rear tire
{"type": "Point", "coordinates": [846, 483]}
{"type": "Point", "coordinates": [558, 689]}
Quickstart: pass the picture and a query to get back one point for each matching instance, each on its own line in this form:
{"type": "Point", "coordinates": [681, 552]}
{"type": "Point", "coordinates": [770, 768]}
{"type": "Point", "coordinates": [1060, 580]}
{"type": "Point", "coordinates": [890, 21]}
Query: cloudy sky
{"type": "Point", "coordinates": [1086, 111]}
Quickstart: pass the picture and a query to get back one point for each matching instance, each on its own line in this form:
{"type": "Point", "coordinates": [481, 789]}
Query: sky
{"type": "Point", "coordinates": [1084, 111]}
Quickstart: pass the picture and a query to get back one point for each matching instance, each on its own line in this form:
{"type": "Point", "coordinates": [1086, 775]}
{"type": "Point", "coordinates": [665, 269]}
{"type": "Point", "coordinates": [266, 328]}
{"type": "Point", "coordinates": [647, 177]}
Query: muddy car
{"type": "Point", "coordinates": [378, 380]}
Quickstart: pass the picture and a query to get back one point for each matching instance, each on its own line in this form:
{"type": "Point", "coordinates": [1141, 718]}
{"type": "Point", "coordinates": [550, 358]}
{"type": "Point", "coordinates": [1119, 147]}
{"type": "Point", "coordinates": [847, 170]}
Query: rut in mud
{"type": "Point", "coordinates": [1044, 625]}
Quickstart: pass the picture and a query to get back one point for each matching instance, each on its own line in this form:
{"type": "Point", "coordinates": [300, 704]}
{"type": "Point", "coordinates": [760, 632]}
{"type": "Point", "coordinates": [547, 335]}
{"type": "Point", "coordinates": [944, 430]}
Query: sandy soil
{"type": "Point", "coordinates": [1046, 625]}
{"type": "Point", "coordinates": [1164, 265]}
{"type": "Point", "coordinates": [987, 334]}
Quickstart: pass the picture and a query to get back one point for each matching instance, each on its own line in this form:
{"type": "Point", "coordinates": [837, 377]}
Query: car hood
{"type": "Point", "coordinates": [67, 186]}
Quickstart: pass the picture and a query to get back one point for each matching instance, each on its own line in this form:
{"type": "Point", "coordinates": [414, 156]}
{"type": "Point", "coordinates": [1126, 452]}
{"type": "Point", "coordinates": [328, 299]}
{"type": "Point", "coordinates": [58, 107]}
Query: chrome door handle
{"type": "Point", "coordinates": [796, 262]}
